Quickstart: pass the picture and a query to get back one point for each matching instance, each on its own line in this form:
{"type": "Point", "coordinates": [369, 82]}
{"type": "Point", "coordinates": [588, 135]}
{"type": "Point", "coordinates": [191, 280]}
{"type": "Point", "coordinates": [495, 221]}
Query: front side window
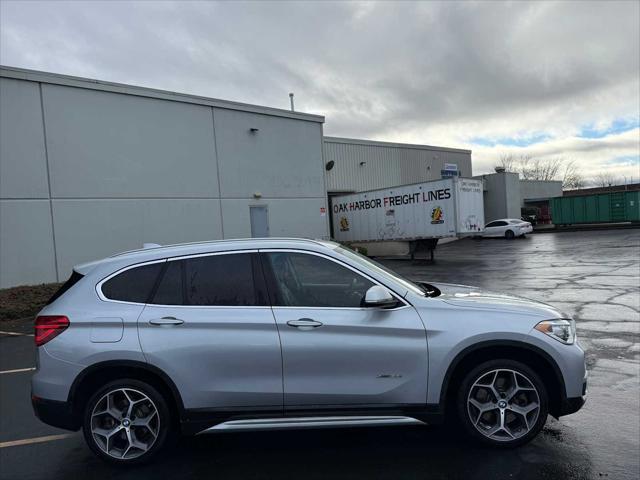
{"type": "Point", "coordinates": [213, 280]}
{"type": "Point", "coordinates": [133, 285]}
{"type": "Point", "coordinates": [305, 280]}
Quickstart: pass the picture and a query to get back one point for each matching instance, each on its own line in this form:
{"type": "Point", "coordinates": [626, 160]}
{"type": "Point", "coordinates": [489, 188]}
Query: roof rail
{"type": "Point", "coordinates": [153, 246]}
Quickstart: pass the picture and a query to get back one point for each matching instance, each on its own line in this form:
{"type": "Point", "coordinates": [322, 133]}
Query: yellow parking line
{"type": "Point", "coordinates": [17, 334]}
{"type": "Point", "coordinates": [18, 370]}
{"type": "Point", "coordinates": [29, 441]}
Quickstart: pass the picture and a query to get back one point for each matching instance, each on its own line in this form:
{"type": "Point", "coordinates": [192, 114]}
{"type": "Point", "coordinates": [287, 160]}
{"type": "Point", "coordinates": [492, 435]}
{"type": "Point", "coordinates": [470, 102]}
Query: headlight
{"type": "Point", "coordinates": [562, 330]}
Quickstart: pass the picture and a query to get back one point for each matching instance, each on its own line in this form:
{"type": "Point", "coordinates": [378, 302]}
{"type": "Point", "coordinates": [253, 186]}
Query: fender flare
{"type": "Point", "coordinates": [109, 364]}
{"type": "Point", "coordinates": [500, 343]}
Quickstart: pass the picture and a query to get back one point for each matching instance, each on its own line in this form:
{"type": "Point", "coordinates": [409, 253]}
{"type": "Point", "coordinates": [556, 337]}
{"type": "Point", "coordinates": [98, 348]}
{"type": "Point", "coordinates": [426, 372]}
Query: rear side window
{"type": "Point", "coordinates": [72, 280]}
{"type": "Point", "coordinates": [170, 290]}
{"type": "Point", "coordinates": [214, 280]}
{"type": "Point", "coordinates": [133, 285]}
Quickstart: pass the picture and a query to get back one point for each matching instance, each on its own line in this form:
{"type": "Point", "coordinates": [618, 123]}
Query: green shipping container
{"type": "Point", "coordinates": [598, 208]}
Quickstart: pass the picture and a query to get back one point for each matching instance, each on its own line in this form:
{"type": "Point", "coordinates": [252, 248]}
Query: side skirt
{"type": "Point", "coordinates": [196, 421]}
{"type": "Point", "coordinates": [310, 422]}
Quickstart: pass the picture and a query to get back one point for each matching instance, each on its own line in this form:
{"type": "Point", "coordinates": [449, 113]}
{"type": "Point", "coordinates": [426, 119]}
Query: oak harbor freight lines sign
{"type": "Point", "coordinates": [392, 201]}
{"type": "Point", "coordinates": [425, 210]}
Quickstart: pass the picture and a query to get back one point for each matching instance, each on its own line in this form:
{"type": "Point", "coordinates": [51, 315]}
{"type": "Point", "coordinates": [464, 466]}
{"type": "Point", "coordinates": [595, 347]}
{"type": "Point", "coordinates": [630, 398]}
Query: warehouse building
{"type": "Point", "coordinates": [89, 168]}
{"type": "Point", "coordinates": [358, 165]}
{"type": "Point", "coordinates": [506, 195]}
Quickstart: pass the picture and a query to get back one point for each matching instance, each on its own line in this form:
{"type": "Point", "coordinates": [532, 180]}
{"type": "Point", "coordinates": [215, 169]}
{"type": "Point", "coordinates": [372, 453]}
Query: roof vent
{"type": "Point", "coordinates": [500, 169]}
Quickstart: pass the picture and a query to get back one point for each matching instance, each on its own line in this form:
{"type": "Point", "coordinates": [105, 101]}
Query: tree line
{"type": "Point", "coordinates": [556, 168]}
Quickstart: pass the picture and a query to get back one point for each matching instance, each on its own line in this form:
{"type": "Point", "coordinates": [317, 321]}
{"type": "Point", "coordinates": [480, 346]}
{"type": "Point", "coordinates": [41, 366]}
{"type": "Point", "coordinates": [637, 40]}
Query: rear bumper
{"type": "Point", "coordinates": [55, 413]}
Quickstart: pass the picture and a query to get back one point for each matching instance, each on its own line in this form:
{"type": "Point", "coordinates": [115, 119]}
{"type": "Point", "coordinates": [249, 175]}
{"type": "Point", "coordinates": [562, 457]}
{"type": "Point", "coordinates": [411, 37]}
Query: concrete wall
{"type": "Point", "coordinates": [538, 190]}
{"type": "Point", "coordinates": [89, 169]}
{"type": "Point", "coordinates": [501, 196]}
{"type": "Point", "coordinates": [361, 165]}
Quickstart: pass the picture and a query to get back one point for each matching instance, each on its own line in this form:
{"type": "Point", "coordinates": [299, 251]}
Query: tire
{"type": "Point", "coordinates": [114, 436]}
{"type": "Point", "coordinates": [525, 407]}
{"type": "Point", "coordinates": [509, 235]}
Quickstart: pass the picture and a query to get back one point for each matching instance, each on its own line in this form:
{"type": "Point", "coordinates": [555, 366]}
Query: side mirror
{"type": "Point", "coordinates": [378, 296]}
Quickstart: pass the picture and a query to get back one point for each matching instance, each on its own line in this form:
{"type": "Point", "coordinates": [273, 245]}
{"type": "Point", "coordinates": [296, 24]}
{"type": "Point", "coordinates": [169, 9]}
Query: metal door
{"type": "Point", "coordinates": [259, 216]}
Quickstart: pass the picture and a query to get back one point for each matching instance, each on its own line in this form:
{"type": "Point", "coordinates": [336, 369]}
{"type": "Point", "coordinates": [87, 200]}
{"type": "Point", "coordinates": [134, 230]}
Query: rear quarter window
{"type": "Point", "coordinates": [133, 285]}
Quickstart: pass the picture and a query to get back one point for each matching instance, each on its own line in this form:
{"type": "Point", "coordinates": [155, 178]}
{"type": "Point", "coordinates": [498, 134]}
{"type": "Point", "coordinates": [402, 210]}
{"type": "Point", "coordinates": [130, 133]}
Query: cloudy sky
{"type": "Point", "coordinates": [551, 79]}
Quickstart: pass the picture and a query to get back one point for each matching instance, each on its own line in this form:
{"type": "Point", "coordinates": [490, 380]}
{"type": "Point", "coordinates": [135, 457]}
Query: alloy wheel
{"type": "Point", "coordinates": [125, 423]}
{"type": "Point", "coordinates": [503, 405]}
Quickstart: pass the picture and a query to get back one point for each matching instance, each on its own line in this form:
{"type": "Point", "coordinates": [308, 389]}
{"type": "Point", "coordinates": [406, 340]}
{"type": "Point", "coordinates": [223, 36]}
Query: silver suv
{"type": "Point", "coordinates": [290, 333]}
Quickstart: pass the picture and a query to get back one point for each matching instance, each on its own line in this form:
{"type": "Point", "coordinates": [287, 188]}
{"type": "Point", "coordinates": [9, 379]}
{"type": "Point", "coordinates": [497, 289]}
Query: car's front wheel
{"type": "Point", "coordinates": [126, 422]}
{"type": "Point", "coordinates": [502, 403]}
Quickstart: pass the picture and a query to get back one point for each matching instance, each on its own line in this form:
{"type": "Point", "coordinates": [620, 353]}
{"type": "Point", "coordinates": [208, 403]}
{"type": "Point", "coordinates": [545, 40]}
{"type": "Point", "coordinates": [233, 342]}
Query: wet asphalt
{"type": "Point", "coordinates": [594, 276]}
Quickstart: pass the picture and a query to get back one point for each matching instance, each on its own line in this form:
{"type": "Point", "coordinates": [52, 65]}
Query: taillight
{"type": "Point", "coordinates": [48, 327]}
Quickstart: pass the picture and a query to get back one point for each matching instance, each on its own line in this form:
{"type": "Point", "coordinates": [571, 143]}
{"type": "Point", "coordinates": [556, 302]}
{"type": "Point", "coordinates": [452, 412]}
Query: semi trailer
{"type": "Point", "coordinates": [420, 214]}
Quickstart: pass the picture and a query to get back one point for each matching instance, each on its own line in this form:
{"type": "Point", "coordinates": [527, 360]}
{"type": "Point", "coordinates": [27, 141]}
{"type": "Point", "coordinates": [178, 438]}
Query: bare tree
{"type": "Point", "coordinates": [509, 162]}
{"type": "Point", "coordinates": [549, 169]}
{"type": "Point", "coordinates": [605, 179]}
{"type": "Point", "coordinates": [515, 163]}
{"type": "Point", "coordinates": [571, 179]}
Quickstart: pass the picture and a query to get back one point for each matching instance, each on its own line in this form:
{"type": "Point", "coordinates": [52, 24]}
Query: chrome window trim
{"type": "Point", "coordinates": [396, 295]}
{"type": "Point", "coordinates": [170, 259]}
{"type": "Point", "coordinates": [98, 286]}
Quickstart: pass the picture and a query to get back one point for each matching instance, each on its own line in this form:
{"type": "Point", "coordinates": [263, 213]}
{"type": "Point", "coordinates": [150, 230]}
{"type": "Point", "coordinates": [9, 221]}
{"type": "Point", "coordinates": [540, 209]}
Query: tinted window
{"type": "Point", "coordinates": [303, 280]}
{"type": "Point", "coordinates": [223, 280]}
{"type": "Point", "coordinates": [492, 224]}
{"type": "Point", "coordinates": [133, 285]}
{"type": "Point", "coordinates": [169, 290]}
{"type": "Point", "coordinates": [515, 222]}
{"type": "Point", "coordinates": [73, 279]}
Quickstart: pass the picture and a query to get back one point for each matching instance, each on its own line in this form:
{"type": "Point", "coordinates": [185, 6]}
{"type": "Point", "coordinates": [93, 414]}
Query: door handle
{"type": "Point", "coordinates": [304, 323]}
{"type": "Point", "coordinates": [166, 321]}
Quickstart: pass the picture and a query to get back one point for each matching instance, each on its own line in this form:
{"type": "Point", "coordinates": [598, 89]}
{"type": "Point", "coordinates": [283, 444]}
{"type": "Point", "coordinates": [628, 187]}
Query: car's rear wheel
{"type": "Point", "coordinates": [126, 422]}
{"type": "Point", "coordinates": [502, 403]}
{"type": "Point", "coordinates": [509, 234]}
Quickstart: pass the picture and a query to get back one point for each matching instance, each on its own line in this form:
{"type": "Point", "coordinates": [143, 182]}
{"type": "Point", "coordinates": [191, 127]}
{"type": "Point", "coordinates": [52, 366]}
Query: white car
{"type": "Point", "coordinates": [507, 228]}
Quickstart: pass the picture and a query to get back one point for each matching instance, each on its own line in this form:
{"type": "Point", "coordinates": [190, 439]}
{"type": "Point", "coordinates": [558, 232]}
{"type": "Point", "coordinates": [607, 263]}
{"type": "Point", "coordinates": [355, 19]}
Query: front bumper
{"type": "Point", "coordinates": [572, 405]}
{"type": "Point", "coordinates": [55, 413]}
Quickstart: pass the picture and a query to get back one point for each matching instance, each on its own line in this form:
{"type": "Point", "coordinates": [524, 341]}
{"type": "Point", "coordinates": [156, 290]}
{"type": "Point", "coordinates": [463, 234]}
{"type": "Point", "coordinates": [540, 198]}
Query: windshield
{"type": "Point", "coordinates": [367, 262]}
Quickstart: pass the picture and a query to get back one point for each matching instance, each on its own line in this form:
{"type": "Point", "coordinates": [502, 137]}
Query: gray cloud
{"type": "Point", "coordinates": [425, 72]}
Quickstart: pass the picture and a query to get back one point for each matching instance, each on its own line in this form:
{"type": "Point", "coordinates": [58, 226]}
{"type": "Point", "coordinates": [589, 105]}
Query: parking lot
{"type": "Point", "coordinates": [594, 276]}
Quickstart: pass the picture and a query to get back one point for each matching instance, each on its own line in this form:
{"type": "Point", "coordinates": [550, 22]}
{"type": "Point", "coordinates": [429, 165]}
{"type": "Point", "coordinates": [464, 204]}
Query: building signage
{"type": "Point", "coordinates": [395, 200]}
{"type": "Point", "coordinates": [450, 170]}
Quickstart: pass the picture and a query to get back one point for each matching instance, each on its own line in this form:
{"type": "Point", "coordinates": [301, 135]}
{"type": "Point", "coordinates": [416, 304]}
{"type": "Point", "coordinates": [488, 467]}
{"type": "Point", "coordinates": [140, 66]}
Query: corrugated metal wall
{"type": "Point", "coordinates": [366, 165]}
